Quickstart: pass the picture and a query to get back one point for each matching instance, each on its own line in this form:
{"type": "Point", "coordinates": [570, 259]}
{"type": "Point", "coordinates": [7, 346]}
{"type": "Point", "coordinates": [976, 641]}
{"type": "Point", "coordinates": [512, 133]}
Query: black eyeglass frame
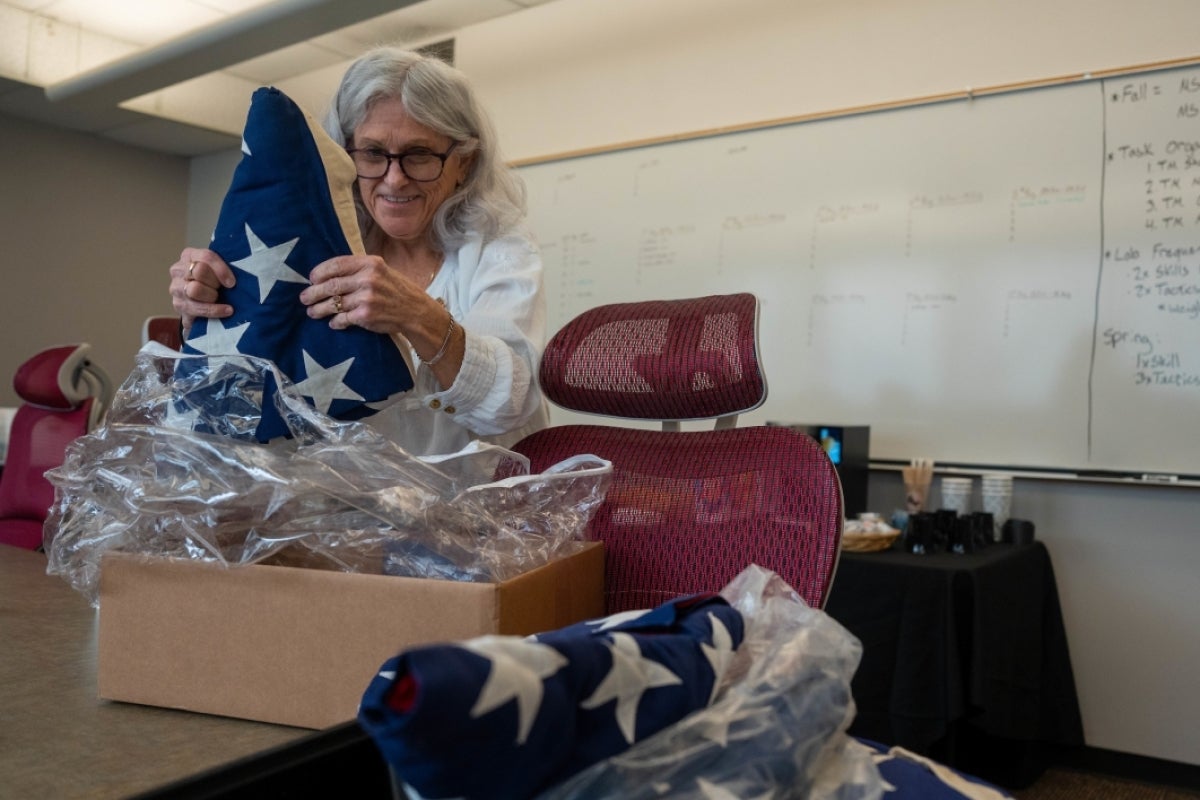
{"type": "Point", "coordinates": [399, 159]}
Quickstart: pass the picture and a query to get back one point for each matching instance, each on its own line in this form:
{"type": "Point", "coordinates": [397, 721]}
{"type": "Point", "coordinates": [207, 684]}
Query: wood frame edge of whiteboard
{"type": "Point", "coordinates": [1023, 473]}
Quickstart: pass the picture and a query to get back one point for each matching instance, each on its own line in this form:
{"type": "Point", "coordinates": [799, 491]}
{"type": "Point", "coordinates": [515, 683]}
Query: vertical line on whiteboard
{"type": "Point", "coordinates": [1100, 268]}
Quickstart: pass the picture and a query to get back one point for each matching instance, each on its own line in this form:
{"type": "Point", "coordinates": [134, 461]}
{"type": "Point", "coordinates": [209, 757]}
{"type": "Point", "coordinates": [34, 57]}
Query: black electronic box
{"type": "Point", "coordinates": [848, 447]}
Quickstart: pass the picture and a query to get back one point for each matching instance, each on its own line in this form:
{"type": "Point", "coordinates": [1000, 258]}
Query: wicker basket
{"type": "Point", "coordinates": [853, 542]}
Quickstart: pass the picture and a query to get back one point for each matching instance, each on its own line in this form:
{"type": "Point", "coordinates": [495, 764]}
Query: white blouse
{"type": "Point", "coordinates": [494, 291]}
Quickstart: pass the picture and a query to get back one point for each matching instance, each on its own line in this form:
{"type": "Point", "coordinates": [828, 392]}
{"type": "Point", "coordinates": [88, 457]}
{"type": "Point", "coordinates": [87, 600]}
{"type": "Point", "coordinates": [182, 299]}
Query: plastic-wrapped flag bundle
{"type": "Point", "coordinates": [741, 696]}
{"type": "Point", "coordinates": [736, 697]}
{"type": "Point", "coordinates": [172, 473]}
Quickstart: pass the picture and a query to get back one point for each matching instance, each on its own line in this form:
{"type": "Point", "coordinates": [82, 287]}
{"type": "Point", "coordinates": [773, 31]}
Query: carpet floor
{"type": "Point", "coordinates": [1066, 784]}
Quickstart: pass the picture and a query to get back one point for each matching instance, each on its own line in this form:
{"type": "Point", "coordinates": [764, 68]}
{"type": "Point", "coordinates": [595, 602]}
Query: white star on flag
{"type": "Point", "coordinates": [631, 675]}
{"type": "Point", "coordinates": [620, 618]}
{"type": "Point", "coordinates": [740, 723]}
{"type": "Point", "coordinates": [953, 779]}
{"type": "Point", "coordinates": [712, 791]}
{"type": "Point", "coordinates": [326, 384]}
{"type": "Point", "coordinates": [219, 340]}
{"type": "Point", "coordinates": [719, 653]}
{"type": "Point", "coordinates": [517, 670]}
{"type": "Point", "coordinates": [268, 264]}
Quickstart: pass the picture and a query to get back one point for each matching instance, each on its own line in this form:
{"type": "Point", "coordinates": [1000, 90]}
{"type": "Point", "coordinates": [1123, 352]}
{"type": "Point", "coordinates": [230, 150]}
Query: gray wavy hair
{"type": "Point", "coordinates": [492, 198]}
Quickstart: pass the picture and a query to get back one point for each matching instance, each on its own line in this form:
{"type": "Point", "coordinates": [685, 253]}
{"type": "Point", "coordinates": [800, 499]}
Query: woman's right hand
{"type": "Point", "coordinates": [195, 279]}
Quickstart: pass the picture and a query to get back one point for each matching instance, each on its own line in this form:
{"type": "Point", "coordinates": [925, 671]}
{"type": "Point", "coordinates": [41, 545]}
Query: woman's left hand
{"type": "Point", "coordinates": [365, 291]}
{"type": "Point", "coordinates": [362, 291]}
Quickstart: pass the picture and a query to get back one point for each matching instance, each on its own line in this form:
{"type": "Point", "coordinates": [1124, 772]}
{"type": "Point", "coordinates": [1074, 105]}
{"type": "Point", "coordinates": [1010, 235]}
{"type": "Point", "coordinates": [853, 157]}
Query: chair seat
{"type": "Point", "coordinates": [687, 511]}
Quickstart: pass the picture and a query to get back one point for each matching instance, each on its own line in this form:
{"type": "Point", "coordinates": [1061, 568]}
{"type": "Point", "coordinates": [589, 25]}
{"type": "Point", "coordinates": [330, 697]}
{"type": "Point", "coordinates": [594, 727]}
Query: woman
{"type": "Point", "coordinates": [446, 266]}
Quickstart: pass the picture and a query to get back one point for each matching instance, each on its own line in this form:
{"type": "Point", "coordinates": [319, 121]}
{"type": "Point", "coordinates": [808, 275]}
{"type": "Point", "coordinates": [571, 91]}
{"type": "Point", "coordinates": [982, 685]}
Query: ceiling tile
{"type": "Point", "coordinates": [53, 51]}
{"type": "Point", "coordinates": [235, 6]}
{"type": "Point", "coordinates": [217, 101]}
{"type": "Point", "coordinates": [29, 5]}
{"type": "Point", "coordinates": [290, 61]}
{"type": "Point", "coordinates": [313, 90]}
{"type": "Point", "coordinates": [14, 42]}
{"type": "Point", "coordinates": [415, 24]}
{"type": "Point", "coordinates": [142, 22]}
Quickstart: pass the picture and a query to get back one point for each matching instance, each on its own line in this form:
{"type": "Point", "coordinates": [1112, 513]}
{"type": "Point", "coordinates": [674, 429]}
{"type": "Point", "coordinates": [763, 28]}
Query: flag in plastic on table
{"type": "Point", "coordinates": [502, 716]}
{"type": "Point", "coordinates": [289, 207]}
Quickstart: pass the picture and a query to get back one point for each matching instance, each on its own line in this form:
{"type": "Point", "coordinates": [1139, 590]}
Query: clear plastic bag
{"type": "Point", "coordinates": [175, 471]}
{"type": "Point", "coordinates": [778, 728]}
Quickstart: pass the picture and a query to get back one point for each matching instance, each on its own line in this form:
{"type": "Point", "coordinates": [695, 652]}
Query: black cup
{"type": "Point", "coordinates": [918, 534]}
{"type": "Point", "coordinates": [962, 535]}
{"type": "Point", "coordinates": [983, 529]}
{"type": "Point", "coordinates": [1017, 531]}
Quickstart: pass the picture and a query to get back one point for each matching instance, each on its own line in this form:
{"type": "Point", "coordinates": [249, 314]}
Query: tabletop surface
{"type": "Point", "coordinates": [57, 739]}
{"type": "Point", "coordinates": [941, 561]}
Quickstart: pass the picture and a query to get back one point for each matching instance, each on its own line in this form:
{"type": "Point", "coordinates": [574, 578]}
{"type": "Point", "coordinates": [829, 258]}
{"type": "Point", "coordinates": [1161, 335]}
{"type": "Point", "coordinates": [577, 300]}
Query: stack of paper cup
{"type": "Point", "coordinates": [956, 494]}
{"type": "Point", "coordinates": [997, 500]}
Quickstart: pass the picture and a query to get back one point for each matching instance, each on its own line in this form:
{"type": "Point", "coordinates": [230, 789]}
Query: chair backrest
{"type": "Point", "coordinates": [688, 510]}
{"type": "Point", "coordinates": [64, 396]}
{"type": "Point", "coordinates": [668, 360]}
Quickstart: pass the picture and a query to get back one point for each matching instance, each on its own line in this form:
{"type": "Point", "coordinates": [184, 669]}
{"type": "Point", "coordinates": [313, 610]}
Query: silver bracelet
{"type": "Point", "coordinates": [441, 353]}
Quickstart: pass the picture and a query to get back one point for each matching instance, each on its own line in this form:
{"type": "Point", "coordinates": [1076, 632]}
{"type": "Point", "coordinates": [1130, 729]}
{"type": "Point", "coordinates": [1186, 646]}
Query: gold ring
{"type": "Point", "coordinates": [191, 268]}
{"type": "Point", "coordinates": [337, 303]}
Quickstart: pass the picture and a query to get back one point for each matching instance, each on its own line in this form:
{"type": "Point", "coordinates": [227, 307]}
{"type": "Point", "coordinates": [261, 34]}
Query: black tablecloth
{"type": "Point", "coordinates": [965, 657]}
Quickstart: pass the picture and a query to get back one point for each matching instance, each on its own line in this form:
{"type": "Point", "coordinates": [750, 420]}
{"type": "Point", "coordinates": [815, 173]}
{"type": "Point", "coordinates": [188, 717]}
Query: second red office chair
{"type": "Point", "coordinates": [65, 395]}
{"type": "Point", "coordinates": [688, 510]}
{"type": "Point", "coordinates": [163, 329]}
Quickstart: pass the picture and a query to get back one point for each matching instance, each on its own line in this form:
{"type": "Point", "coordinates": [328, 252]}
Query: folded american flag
{"type": "Point", "coordinates": [502, 716]}
{"type": "Point", "coordinates": [289, 207]}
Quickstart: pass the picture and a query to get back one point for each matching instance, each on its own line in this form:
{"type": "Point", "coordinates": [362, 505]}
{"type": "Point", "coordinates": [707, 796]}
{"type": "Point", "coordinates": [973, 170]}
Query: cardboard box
{"type": "Point", "coordinates": [298, 646]}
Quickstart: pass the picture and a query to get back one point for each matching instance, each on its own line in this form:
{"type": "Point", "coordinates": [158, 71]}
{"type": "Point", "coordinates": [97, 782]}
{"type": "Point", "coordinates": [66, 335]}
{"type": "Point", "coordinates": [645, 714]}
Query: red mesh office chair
{"type": "Point", "coordinates": [688, 510]}
{"type": "Point", "coordinates": [65, 396]}
{"type": "Point", "coordinates": [163, 329]}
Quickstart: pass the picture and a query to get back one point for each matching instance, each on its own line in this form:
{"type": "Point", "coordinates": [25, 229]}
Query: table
{"type": "Point", "coordinates": [56, 738]}
{"type": "Point", "coordinates": [965, 657]}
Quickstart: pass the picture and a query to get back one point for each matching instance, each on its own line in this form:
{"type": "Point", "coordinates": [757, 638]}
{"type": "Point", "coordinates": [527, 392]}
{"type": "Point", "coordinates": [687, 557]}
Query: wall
{"type": "Point", "coordinates": [89, 228]}
{"type": "Point", "coordinates": [577, 74]}
{"type": "Point", "coordinates": [210, 178]}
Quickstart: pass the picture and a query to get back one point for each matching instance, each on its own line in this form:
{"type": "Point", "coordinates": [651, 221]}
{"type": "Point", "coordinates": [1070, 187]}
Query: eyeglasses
{"type": "Point", "coordinates": [418, 165]}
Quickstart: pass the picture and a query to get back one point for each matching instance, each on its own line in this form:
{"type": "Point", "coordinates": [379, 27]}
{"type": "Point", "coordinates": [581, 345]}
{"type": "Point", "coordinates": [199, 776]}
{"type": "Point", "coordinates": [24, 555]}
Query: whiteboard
{"type": "Point", "coordinates": [1007, 280]}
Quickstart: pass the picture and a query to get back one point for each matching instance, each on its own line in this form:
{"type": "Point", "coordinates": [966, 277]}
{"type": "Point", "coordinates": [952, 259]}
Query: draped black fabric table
{"type": "Point", "coordinates": [965, 657]}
